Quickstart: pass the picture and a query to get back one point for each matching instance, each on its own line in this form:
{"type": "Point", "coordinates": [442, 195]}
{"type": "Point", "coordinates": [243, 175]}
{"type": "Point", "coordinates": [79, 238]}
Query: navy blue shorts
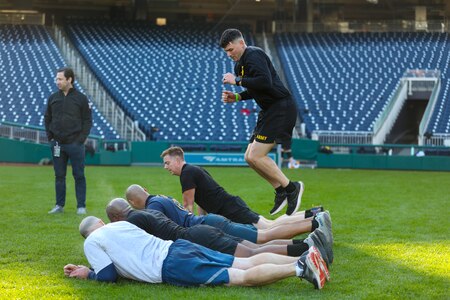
{"type": "Point", "coordinates": [246, 231]}
{"type": "Point", "coordinates": [189, 264]}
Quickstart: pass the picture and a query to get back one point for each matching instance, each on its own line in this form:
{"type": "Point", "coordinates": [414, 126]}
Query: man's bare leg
{"type": "Point", "coordinates": [245, 263]}
{"type": "Point", "coordinates": [264, 223]}
{"type": "Point", "coordinates": [256, 157]}
{"type": "Point", "coordinates": [260, 275]}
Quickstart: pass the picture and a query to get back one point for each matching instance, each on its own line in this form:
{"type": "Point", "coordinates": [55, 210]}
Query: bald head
{"type": "Point", "coordinates": [136, 195]}
{"type": "Point", "coordinates": [89, 224]}
{"type": "Point", "coordinates": [118, 209]}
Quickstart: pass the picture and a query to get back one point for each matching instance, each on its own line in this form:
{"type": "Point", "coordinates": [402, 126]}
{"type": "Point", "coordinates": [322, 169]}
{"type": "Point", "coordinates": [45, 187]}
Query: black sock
{"type": "Point", "coordinates": [314, 225]}
{"type": "Point", "coordinates": [297, 249]}
{"type": "Point", "coordinates": [308, 213]}
{"type": "Point", "coordinates": [280, 190]}
{"type": "Point", "coordinates": [290, 187]}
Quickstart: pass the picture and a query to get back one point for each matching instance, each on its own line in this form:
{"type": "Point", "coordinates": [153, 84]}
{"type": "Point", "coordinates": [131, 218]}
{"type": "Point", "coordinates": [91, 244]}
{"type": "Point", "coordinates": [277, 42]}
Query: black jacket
{"type": "Point", "coordinates": [260, 78]}
{"type": "Point", "coordinates": [68, 119]}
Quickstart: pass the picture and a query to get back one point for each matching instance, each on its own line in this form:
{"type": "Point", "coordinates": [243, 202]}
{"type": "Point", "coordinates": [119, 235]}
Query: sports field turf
{"type": "Point", "coordinates": [391, 230]}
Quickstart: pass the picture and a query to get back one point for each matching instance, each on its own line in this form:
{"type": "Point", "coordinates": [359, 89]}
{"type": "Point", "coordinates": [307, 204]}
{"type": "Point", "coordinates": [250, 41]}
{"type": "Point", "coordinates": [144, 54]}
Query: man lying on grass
{"type": "Point", "coordinates": [123, 249]}
{"type": "Point", "coordinates": [285, 228]}
{"type": "Point", "coordinates": [157, 224]}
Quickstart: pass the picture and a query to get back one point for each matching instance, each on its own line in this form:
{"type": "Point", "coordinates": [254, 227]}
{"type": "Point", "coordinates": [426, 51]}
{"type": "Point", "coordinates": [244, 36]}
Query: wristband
{"type": "Point", "coordinates": [237, 97]}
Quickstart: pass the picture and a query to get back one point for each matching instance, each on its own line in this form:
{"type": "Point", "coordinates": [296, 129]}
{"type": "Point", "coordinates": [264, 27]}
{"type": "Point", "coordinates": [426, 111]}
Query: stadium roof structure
{"type": "Point", "coordinates": [262, 10]}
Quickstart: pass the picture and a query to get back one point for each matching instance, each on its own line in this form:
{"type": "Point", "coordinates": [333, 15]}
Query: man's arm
{"type": "Point", "coordinates": [107, 274]}
{"type": "Point", "coordinates": [48, 120]}
{"type": "Point", "coordinates": [86, 121]}
{"type": "Point", "coordinates": [188, 199]}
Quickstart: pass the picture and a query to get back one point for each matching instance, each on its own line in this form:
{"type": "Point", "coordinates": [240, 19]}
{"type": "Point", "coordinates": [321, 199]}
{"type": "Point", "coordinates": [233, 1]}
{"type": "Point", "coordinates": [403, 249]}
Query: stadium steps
{"type": "Point", "coordinates": [167, 78]}
{"type": "Point", "coordinates": [118, 119]}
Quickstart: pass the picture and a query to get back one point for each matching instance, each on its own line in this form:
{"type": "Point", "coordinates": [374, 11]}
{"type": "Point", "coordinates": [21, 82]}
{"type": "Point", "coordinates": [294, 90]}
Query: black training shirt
{"type": "Point", "coordinates": [68, 118]}
{"type": "Point", "coordinates": [157, 224]}
{"type": "Point", "coordinates": [209, 195]}
{"type": "Point", "coordinates": [260, 78]}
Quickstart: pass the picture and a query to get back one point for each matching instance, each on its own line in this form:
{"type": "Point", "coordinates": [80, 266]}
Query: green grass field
{"type": "Point", "coordinates": [391, 233]}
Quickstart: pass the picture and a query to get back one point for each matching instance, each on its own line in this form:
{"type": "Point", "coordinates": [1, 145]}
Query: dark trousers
{"type": "Point", "coordinates": [74, 152]}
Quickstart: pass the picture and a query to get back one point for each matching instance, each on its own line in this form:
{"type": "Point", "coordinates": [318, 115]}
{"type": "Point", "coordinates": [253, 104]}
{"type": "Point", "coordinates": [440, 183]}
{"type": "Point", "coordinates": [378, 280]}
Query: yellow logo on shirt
{"type": "Point", "coordinates": [261, 137]}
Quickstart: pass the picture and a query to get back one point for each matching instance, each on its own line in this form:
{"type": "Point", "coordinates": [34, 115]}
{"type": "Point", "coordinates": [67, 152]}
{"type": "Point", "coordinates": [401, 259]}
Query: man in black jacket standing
{"type": "Point", "coordinates": [276, 120]}
{"type": "Point", "coordinates": [68, 121]}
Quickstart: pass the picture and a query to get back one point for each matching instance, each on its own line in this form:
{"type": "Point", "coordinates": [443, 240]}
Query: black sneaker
{"type": "Point", "coordinates": [295, 198]}
{"type": "Point", "coordinates": [318, 239]}
{"type": "Point", "coordinates": [280, 203]}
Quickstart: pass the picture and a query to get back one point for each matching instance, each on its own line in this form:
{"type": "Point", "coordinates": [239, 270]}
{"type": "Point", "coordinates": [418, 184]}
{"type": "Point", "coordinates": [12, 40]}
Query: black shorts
{"type": "Point", "coordinates": [275, 124]}
{"type": "Point", "coordinates": [236, 210]}
{"type": "Point", "coordinates": [212, 238]}
{"type": "Point", "coordinates": [243, 214]}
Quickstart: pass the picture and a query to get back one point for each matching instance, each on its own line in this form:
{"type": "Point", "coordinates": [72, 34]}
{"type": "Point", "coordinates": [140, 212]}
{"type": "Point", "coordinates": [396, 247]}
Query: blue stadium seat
{"type": "Point", "coordinates": [342, 82]}
{"type": "Point", "coordinates": [28, 61]}
{"type": "Point", "coordinates": [167, 78]}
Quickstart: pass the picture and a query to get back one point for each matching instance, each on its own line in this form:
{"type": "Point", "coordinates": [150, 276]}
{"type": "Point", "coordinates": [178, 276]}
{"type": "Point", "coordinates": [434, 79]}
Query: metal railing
{"type": "Point", "coordinates": [389, 149]}
{"type": "Point", "coordinates": [123, 124]}
{"type": "Point", "coordinates": [437, 140]}
{"type": "Point", "coordinates": [388, 116]}
{"type": "Point", "coordinates": [429, 111]}
{"type": "Point", "coordinates": [35, 134]}
{"type": "Point", "coordinates": [342, 137]}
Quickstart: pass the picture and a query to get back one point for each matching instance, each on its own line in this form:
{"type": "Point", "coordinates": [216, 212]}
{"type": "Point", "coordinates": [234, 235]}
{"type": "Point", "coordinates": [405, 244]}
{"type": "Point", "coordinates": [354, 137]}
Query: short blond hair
{"type": "Point", "coordinates": [173, 151]}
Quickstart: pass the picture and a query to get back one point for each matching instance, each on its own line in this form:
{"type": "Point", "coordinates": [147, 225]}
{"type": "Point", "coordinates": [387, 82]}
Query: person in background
{"type": "Point", "coordinates": [68, 121]}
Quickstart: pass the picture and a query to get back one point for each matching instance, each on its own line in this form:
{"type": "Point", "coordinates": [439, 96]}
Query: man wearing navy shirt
{"type": "Point", "coordinates": [139, 198]}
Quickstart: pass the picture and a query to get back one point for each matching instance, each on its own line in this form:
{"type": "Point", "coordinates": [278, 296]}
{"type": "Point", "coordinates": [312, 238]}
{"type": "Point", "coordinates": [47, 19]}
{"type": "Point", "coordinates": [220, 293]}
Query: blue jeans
{"type": "Point", "coordinates": [74, 152]}
{"type": "Point", "coordinates": [245, 231]}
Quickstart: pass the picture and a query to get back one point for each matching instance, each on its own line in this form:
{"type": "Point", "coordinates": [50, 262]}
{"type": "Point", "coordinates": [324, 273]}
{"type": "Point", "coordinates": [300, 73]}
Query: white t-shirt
{"type": "Point", "coordinates": [135, 253]}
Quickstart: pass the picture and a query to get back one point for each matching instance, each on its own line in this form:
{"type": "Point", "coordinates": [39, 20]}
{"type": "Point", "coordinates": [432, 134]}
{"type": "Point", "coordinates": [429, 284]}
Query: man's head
{"type": "Point", "coordinates": [173, 160]}
{"type": "Point", "coordinates": [89, 224]}
{"type": "Point", "coordinates": [118, 210]}
{"type": "Point", "coordinates": [136, 195]}
{"type": "Point", "coordinates": [233, 43]}
{"type": "Point", "coordinates": [65, 77]}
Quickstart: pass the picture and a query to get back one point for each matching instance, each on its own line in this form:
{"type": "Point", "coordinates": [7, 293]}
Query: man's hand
{"type": "Point", "coordinates": [76, 271]}
{"type": "Point", "coordinates": [229, 97]}
{"type": "Point", "coordinates": [228, 78]}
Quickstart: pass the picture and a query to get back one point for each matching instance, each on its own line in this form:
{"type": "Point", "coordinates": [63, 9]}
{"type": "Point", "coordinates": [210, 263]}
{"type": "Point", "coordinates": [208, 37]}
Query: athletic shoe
{"type": "Point", "coordinates": [295, 198]}
{"type": "Point", "coordinates": [81, 211]}
{"type": "Point", "coordinates": [318, 239]}
{"type": "Point", "coordinates": [280, 203]}
{"type": "Point", "coordinates": [324, 220]}
{"type": "Point", "coordinates": [311, 267]}
{"type": "Point", "coordinates": [56, 210]}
